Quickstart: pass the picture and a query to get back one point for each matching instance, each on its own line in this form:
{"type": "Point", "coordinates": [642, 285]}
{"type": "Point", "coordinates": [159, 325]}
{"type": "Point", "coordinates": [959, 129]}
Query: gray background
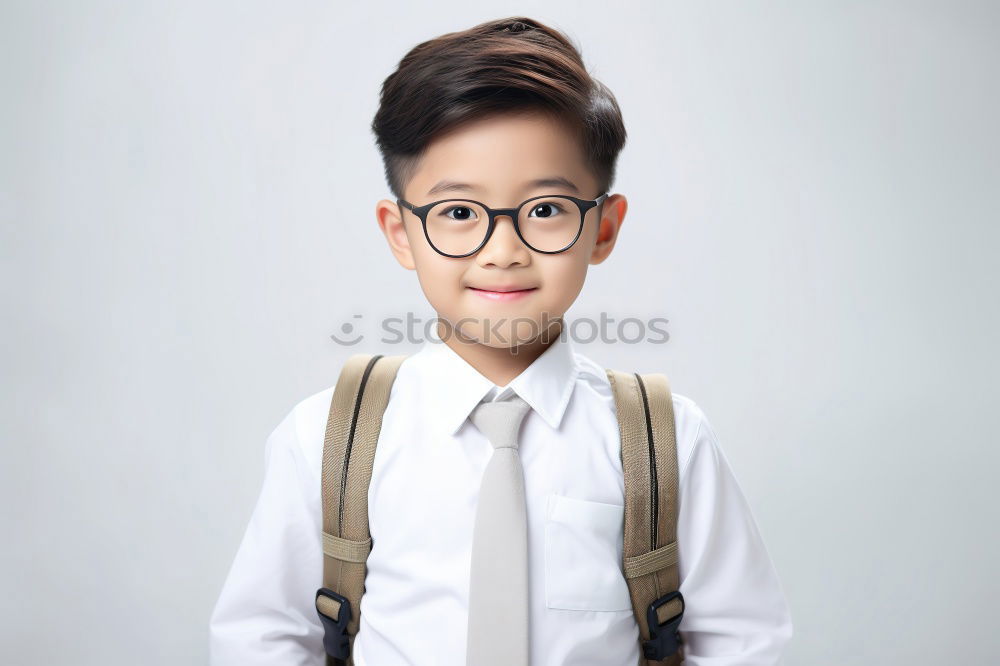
{"type": "Point", "coordinates": [187, 195]}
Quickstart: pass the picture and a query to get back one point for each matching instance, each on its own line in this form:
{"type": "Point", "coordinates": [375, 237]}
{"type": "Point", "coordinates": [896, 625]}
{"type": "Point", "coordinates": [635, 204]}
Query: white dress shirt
{"type": "Point", "coordinates": [422, 504]}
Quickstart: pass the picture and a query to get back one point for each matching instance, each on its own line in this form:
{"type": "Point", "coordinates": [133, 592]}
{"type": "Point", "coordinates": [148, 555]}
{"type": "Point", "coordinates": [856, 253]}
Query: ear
{"type": "Point", "coordinates": [612, 217]}
{"type": "Point", "coordinates": [391, 223]}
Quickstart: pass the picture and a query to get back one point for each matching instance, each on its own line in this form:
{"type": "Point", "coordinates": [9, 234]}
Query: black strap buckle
{"type": "Point", "coordinates": [335, 638]}
{"type": "Point", "coordinates": [664, 639]}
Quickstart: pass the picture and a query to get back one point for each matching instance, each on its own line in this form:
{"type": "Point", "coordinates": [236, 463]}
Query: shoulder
{"type": "Point", "coordinates": [304, 426]}
{"type": "Point", "coordinates": [304, 429]}
{"type": "Point", "coordinates": [690, 422]}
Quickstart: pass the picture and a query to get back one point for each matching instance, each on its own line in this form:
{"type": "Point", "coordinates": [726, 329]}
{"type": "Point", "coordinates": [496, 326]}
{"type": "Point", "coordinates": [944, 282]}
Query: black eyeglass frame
{"type": "Point", "coordinates": [513, 213]}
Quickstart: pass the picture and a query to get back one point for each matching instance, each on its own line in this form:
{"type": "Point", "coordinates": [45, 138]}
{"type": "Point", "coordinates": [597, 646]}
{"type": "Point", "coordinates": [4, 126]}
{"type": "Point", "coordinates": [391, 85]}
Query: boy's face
{"type": "Point", "coordinates": [498, 158]}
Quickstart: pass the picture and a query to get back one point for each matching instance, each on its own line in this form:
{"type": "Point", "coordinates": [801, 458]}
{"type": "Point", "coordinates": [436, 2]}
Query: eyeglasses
{"type": "Point", "coordinates": [461, 227]}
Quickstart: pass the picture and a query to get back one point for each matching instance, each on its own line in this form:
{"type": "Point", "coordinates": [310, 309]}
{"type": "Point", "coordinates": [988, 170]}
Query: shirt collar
{"type": "Point", "coordinates": [454, 387]}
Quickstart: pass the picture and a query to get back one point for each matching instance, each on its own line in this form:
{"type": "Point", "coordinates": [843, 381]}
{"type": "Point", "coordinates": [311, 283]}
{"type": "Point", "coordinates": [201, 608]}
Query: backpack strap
{"type": "Point", "coordinates": [352, 431]}
{"type": "Point", "coordinates": [650, 559]}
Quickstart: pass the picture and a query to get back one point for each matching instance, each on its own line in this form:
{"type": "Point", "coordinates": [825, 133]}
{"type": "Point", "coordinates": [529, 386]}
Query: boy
{"type": "Point", "coordinates": [500, 114]}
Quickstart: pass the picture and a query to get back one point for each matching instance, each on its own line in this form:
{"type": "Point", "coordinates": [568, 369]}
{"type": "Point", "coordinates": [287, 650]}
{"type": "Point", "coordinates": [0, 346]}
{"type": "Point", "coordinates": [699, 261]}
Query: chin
{"type": "Point", "coordinates": [529, 331]}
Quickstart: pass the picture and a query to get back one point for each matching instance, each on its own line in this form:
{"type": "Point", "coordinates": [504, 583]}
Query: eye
{"type": "Point", "coordinates": [462, 213]}
{"type": "Point", "coordinates": [546, 209]}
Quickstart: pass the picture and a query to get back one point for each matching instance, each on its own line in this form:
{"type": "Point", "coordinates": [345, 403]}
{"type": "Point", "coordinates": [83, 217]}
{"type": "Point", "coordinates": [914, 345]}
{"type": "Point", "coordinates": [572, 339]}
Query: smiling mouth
{"type": "Point", "coordinates": [503, 295]}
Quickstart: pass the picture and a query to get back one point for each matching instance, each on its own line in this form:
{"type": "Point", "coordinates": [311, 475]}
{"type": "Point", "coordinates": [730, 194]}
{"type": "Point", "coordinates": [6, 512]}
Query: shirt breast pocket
{"type": "Point", "coordinates": [583, 552]}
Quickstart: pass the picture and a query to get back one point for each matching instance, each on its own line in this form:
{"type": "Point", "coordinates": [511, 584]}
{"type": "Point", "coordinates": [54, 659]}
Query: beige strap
{"type": "Point", "coordinates": [653, 561]}
{"type": "Point", "coordinates": [345, 549]}
{"type": "Point", "coordinates": [650, 469]}
{"type": "Point", "coordinates": [352, 431]}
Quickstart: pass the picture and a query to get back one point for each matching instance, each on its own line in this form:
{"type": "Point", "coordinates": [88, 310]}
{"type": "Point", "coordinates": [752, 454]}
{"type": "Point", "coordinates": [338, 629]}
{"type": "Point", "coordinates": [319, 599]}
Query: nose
{"type": "Point", "coordinates": [504, 248]}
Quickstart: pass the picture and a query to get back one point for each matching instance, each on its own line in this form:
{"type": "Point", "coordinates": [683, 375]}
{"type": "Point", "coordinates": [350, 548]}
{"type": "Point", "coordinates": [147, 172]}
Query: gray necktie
{"type": "Point", "coordinates": [498, 585]}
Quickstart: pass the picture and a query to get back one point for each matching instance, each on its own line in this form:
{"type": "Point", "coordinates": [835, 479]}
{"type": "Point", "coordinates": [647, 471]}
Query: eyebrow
{"type": "Point", "coordinates": [554, 181]}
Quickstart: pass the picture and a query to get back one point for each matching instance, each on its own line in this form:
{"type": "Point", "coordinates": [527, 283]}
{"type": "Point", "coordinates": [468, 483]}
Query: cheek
{"type": "Point", "coordinates": [564, 279]}
{"type": "Point", "coordinates": [440, 278]}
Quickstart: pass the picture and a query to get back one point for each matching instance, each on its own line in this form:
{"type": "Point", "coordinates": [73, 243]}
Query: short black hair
{"type": "Point", "coordinates": [508, 65]}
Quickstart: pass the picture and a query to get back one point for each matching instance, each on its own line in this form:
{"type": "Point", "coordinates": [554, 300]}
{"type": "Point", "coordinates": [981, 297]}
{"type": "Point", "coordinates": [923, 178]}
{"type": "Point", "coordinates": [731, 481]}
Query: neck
{"type": "Point", "coordinates": [500, 364]}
